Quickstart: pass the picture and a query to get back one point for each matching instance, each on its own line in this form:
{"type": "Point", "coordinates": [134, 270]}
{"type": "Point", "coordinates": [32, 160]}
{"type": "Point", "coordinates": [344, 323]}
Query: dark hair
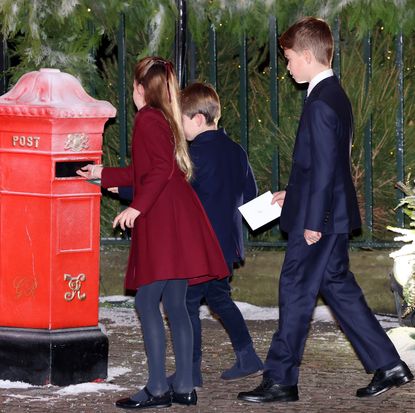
{"type": "Point", "coordinates": [310, 33]}
{"type": "Point", "coordinates": [201, 98]}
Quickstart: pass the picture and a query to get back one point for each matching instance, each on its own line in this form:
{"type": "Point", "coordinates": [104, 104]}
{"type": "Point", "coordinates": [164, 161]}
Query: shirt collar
{"type": "Point", "coordinates": [318, 78]}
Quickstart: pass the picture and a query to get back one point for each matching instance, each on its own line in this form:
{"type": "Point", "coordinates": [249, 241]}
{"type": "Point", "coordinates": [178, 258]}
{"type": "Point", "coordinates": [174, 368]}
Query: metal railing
{"type": "Point", "coordinates": [186, 64]}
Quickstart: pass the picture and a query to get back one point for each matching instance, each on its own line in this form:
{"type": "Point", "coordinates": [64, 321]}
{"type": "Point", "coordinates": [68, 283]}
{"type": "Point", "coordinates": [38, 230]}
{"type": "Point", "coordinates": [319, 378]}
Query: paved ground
{"type": "Point", "coordinates": [330, 374]}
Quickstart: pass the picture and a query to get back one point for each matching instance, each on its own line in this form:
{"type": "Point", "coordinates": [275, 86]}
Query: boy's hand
{"type": "Point", "coordinates": [278, 197]}
{"type": "Point", "coordinates": [126, 218]}
{"type": "Point", "coordinates": [311, 237]}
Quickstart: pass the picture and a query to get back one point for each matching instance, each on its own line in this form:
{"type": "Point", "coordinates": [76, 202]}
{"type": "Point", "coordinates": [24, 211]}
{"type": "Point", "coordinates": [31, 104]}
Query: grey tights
{"type": "Point", "coordinates": [172, 293]}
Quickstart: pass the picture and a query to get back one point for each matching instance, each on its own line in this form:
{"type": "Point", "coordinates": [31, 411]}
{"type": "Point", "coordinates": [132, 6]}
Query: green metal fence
{"type": "Point", "coordinates": [186, 63]}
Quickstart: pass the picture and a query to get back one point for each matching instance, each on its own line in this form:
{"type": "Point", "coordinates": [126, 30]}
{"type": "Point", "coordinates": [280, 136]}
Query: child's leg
{"type": "Point", "coordinates": [300, 281]}
{"type": "Point", "coordinates": [174, 302]}
{"type": "Point", "coordinates": [219, 299]}
{"type": "Point", "coordinates": [345, 298]}
{"type": "Point", "coordinates": [147, 304]}
{"type": "Point", "coordinates": [194, 296]}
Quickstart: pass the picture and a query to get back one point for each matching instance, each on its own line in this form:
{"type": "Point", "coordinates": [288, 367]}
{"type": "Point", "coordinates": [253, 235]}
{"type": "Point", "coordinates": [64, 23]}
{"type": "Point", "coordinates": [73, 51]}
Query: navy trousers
{"type": "Point", "coordinates": [322, 268]}
{"type": "Point", "coordinates": [218, 298]}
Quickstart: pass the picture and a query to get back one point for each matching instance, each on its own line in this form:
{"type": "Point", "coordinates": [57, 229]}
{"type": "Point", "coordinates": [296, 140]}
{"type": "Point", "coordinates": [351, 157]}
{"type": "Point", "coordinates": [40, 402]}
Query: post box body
{"type": "Point", "coordinates": [49, 216]}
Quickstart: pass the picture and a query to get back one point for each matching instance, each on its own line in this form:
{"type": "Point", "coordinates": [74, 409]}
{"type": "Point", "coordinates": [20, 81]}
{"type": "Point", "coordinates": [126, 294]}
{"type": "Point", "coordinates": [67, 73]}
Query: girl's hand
{"type": "Point", "coordinates": [278, 197]}
{"type": "Point", "coordinates": [126, 218]}
{"type": "Point", "coordinates": [90, 171]}
{"type": "Point", "coordinates": [113, 189]}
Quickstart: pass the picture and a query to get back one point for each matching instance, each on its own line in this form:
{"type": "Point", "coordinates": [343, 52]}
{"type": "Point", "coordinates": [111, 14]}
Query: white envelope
{"type": "Point", "coordinates": [259, 211]}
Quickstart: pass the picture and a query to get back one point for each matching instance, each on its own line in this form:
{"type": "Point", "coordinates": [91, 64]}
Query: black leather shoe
{"type": "Point", "coordinates": [385, 380]}
{"type": "Point", "coordinates": [269, 391]}
{"type": "Point", "coordinates": [184, 398]}
{"type": "Point", "coordinates": [151, 402]}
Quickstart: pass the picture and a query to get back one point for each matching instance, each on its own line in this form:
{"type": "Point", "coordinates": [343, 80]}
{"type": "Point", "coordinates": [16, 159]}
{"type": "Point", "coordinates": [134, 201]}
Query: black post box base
{"type": "Point", "coordinates": [58, 357]}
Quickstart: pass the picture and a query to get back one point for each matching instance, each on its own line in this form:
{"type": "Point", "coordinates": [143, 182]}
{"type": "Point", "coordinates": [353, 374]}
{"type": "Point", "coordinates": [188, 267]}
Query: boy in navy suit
{"type": "Point", "coordinates": [223, 181]}
{"type": "Point", "coordinates": [319, 210]}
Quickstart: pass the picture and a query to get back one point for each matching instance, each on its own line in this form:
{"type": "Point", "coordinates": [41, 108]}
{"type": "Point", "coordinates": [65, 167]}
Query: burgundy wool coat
{"type": "Point", "coordinates": [172, 238]}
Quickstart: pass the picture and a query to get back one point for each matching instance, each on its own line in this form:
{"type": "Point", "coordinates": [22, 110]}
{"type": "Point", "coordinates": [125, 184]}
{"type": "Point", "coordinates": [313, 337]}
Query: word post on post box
{"type": "Point", "coordinates": [26, 141]}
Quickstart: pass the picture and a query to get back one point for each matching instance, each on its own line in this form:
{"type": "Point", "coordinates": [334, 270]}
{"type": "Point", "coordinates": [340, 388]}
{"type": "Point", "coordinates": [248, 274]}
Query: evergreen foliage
{"type": "Point", "coordinates": [81, 37]}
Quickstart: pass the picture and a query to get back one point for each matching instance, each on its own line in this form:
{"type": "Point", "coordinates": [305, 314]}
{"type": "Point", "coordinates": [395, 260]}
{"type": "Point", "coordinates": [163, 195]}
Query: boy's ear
{"type": "Point", "coordinates": [308, 55]}
{"type": "Point", "coordinates": [200, 119]}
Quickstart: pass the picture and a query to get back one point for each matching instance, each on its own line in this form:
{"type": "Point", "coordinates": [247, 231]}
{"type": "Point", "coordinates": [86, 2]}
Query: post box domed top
{"type": "Point", "coordinates": [52, 93]}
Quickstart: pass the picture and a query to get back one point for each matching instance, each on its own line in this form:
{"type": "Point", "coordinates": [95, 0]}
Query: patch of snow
{"type": "Point", "coordinates": [88, 388]}
{"type": "Point", "coordinates": [118, 299]}
{"type": "Point", "coordinates": [124, 317]}
{"type": "Point", "coordinates": [253, 312]}
{"type": "Point", "coordinates": [7, 384]}
{"type": "Point", "coordinates": [127, 316]}
{"type": "Point", "coordinates": [114, 372]}
{"type": "Point", "coordinates": [403, 338]}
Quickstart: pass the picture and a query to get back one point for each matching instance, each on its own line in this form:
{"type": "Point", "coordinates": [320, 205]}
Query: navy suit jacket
{"type": "Point", "coordinates": [223, 180]}
{"type": "Point", "coordinates": [320, 193]}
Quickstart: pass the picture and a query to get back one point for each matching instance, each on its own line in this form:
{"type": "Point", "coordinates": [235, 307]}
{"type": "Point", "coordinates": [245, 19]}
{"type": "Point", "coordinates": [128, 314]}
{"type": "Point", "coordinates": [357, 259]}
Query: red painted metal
{"type": "Point", "coordinates": [49, 217]}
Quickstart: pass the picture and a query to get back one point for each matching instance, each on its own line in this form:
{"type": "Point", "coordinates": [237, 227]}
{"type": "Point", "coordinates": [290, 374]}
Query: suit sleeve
{"type": "Point", "coordinates": [250, 188]}
{"type": "Point", "coordinates": [126, 193]}
{"type": "Point", "coordinates": [322, 124]}
{"type": "Point", "coordinates": [203, 180]}
{"type": "Point", "coordinates": [153, 131]}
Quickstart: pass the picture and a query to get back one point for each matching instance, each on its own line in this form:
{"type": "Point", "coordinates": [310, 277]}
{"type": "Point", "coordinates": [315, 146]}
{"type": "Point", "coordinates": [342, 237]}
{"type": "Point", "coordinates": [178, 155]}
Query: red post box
{"type": "Point", "coordinates": [49, 231]}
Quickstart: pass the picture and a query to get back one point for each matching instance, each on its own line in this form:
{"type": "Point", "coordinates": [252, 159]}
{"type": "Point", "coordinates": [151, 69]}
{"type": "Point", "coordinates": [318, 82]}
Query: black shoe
{"type": "Point", "coordinates": [151, 402]}
{"type": "Point", "coordinates": [184, 398]}
{"type": "Point", "coordinates": [385, 380]}
{"type": "Point", "coordinates": [269, 391]}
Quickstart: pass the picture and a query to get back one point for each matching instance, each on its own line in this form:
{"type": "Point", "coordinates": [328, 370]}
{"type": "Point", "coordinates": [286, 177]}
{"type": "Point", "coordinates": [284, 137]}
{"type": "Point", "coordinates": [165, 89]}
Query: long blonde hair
{"type": "Point", "coordinates": [161, 91]}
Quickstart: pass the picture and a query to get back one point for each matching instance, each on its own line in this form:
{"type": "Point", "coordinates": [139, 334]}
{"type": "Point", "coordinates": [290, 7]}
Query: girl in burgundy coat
{"type": "Point", "coordinates": [172, 243]}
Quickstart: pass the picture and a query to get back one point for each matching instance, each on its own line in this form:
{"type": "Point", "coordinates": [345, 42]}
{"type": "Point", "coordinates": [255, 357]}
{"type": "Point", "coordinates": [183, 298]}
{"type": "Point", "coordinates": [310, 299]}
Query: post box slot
{"type": "Point", "coordinates": [67, 169]}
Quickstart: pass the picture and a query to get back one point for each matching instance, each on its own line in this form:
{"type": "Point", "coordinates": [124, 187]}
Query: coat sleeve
{"type": "Point", "coordinates": [112, 177]}
{"type": "Point", "coordinates": [323, 126]}
{"type": "Point", "coordinates": [153, 133]}
{"type": "Point", "coordinates": [117, 177]}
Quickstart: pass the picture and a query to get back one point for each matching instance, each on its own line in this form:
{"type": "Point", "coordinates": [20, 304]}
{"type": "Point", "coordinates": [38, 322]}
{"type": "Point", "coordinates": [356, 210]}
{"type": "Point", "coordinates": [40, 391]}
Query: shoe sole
{"type": "Point", "coordinates": [157, 406]}
{"type": "Point", "coordinates": [185, 404]}
{"type": "Point", "coordinates": [254, 374]}
{"type": "Point", "coordinates": [401, 382]}
{"type": "Point", "coordinates": [280, 399]}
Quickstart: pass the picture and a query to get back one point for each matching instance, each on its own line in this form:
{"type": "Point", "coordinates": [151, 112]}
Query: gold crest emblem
{"type": "Point", "coordinates": [76, 142]}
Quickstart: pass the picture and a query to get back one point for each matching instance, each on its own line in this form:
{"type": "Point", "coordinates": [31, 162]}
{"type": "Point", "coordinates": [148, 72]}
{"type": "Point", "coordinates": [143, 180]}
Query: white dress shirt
{"type": "Point", "coordinates": [318, 78]}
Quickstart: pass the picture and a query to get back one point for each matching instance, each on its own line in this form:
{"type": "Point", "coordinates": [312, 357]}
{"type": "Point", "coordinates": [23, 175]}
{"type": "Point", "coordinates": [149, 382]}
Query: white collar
{"type": "Point", "coordinates": [318, 78]}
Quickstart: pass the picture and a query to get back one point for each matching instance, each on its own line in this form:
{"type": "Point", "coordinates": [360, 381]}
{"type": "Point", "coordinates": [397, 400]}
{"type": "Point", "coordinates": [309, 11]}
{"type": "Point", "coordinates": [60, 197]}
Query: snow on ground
{"type": "Point", "coordinates": [7, 384]}
{"type": "Point", "coordinates": [72, 389]}
{"type": "Point", "coordinates": [96, 387]}
{"type": "Point", "coordinates": [403, 339]}
{"type": "Point", "coordinates": [125, 316]}
{"type": "Point", "coordinates": [121, 312]}
{"type": "Point", "coordinates": [88, 388]}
